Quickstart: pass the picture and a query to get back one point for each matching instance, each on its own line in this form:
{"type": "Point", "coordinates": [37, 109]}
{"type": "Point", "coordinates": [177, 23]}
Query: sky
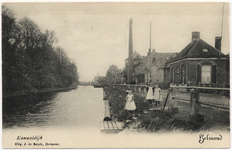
{"type": "Point", "coordinates": [95, 35]}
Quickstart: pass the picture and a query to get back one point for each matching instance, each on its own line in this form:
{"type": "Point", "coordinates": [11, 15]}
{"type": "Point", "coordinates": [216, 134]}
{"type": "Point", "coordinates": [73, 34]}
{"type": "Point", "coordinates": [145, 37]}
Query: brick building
{"type": "Point", "coordinates": [136, 58]}
{"type": "Point", "coordinates": [198, 64]}
{"type": "Point", "coordinates": [144, 69]}
{"type": "Point", "coordinates": [150, 69]}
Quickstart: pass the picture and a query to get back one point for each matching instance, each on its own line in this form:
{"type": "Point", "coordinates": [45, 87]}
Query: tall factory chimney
{"type": "Point", "coordinates": [130, 38]}
{"type": "Point", "coordinates": [130, 59]}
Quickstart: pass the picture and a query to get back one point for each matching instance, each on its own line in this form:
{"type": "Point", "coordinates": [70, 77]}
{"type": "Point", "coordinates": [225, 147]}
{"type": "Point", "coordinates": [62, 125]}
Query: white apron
{"type": "Point", "coordinates": [157, 96]}
{"type": "Point", "coordinates": [130, 104]}
{"type": "Point", "coordinates": [150, 94]}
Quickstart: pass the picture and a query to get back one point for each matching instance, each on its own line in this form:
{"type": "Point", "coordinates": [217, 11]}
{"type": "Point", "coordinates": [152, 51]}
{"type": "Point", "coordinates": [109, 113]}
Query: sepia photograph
{"type": "Point", "coordinates": [115, 75]}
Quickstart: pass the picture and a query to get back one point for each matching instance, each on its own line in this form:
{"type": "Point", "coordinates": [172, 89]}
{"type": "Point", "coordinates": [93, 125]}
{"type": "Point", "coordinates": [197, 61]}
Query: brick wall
{"type": "Point", "coordinates": [167, 75]}
{"type": "Point", "coordinates": [156, 74]}
{"type": "Point", "coordinates": [179, 72]}
{"type": "Point", "coordinates": [191, 72]}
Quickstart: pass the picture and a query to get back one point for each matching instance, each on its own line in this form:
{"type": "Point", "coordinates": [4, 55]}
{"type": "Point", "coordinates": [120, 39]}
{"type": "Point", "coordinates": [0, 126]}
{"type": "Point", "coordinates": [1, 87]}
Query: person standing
{"type": "Point", "coordinates": [130, 103]}
{"type": "Point", "coordinates": [150, 94]}
{"type": "Point", "coordinates": [157, 96]}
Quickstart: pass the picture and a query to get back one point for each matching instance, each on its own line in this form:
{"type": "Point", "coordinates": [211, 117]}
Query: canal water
{"type": "Point", "coordinates": [82, 107]}
{"type": "Point", "coordinates": [72, 120]}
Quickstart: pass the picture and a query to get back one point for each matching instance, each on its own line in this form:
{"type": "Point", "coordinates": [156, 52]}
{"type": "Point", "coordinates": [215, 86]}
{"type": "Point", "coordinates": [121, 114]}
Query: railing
{"type": "Point", "coordinates": [204, 88]}
{"type": "Point", "coordinates": [171, 95]}
{"type": "Point", "coordinates": [199, 99]}
{"type": "Point", "coordinates": [194, 98]}
{"type": "Point", "coordinates": [136, 89]}
{"type": "Point", "coordinates": [139, 89]}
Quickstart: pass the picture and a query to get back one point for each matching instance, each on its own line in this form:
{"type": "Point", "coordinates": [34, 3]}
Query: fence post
{"type": "Point", "coordinates": [195, 107]}
{"type": "Point", "coordinates": [169, 94]}
{"type": "Point", "coordinates": [172, 103]}
{"type": "Point", "coordinates": [107, 111]}
{"type": "Point", "coordinates": [224, 86]}
{"type": "Point", "coordinates": [140, 91]}
{"type": "Point", "coordinates": [135, 89]}
{"type": "Point", "coordinates": [194, 98]}
{"type": "Point", "coordinates": [145, 91]}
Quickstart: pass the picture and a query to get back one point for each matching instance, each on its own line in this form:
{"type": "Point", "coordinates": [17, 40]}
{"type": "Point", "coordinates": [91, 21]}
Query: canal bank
{"type": "Point", "coordinates": [37, 91]}
{"type": "Point", "coordinates": [157, 119]}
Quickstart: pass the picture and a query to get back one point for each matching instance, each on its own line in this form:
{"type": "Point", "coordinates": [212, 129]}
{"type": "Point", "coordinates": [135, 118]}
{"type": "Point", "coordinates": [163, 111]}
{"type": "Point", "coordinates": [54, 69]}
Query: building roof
{"type": "Point", "coordinates": [161, 58]}
{"type": "Point", "coordinates": [198, 49]}
{"type": "Point", "coordinates": [135, 55]}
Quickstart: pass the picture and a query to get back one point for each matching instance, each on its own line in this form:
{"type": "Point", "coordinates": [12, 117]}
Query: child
{"type": "Point", "coordinates": [150, 93]}
{"type": "Point", "coordinates": [130, 104]}
{"type": "Point", "coordinates": [157, 96]}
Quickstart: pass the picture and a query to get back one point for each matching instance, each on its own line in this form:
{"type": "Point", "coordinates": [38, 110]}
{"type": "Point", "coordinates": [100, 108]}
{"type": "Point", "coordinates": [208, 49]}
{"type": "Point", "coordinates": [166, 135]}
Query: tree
{"type": "Point", "coordinates": [101, 80]}
{"type": "Point", "coordinates": [9, 63]}
{"type": "Point", "coordinates": [30, 61]}
{"type": "Point", "coordinates": [113, 74]}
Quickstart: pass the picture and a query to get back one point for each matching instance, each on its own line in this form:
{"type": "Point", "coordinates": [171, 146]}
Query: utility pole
{"type": "Point", "coordinates": [150, 35]}
{"type": "Point", "coordinates": [149, 60]}
{"type": "Point", "coordinates": [219, 57]}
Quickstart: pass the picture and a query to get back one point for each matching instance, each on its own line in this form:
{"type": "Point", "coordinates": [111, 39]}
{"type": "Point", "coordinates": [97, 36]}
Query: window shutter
{"type": "Point", "coordinates": [213, 74]}
{"type": "Point", "coordinates": [198, 74]}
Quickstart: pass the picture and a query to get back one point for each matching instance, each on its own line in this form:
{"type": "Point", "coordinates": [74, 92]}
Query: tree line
{"type": "Point", "coordinates": [30, 61]}
{"type": "Point", "coordinates": [113, 76]}
{"type": "Point", "coordinates": [86, 83]}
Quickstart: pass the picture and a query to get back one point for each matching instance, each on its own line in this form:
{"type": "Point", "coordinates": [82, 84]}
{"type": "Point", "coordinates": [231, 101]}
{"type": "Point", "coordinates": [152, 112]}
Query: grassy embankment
{"type": "Point", "coordinates": [153, 121]}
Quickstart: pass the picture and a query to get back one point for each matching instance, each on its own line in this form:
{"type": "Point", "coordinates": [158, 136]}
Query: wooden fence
{"type": "Point", "coordinates": [171, 94]}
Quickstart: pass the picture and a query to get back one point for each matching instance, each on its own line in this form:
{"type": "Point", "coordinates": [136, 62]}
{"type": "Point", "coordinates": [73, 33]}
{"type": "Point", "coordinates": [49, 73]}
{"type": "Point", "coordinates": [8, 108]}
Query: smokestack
{"type": "Point", "coordinates": [130, 38]}
{"type": "Point", "coordinates": [218, 42]}
{"type": "Point", "coordinates": [130, 61]}
{"type": "Point", "coordinates": [195, 36]}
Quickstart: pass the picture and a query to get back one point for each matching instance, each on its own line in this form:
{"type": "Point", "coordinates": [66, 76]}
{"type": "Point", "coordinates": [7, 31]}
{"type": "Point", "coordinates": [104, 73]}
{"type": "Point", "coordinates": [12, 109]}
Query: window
{"type": "Point", "coordinates": [206, 73]}
{"type": "Point", "coordinates": [205, 50]}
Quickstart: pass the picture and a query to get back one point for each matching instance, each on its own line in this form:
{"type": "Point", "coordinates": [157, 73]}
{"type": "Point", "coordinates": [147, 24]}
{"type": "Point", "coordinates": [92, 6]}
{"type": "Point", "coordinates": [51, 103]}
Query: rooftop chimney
{"type": "Point", "coordinates": [218, 42]}
{"type": "Point", "coordinates": [195, 36]}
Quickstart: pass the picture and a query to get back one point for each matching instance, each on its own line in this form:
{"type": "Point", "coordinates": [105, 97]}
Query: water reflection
{"type": "Point", "coordinates": [28, 110]}
{"type": "Point", "coordinates": [82, 107]}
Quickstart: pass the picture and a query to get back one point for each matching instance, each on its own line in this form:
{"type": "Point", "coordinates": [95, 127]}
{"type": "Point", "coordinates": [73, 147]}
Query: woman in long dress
{"type": "Point", "coordinates": [130, 103]}
{"type": "Point", "coordinates": [150, 94]}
